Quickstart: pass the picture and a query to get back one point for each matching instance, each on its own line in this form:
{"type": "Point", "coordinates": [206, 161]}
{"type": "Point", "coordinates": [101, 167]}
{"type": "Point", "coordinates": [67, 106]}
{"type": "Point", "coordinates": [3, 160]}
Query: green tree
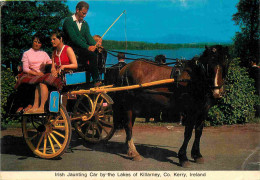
{"type": "Point", "coordinates": [246, 42]}
{"type": "Point", "coordinates": [21, 19]}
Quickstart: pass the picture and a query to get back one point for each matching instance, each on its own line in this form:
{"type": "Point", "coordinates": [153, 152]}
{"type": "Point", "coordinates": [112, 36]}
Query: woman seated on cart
{"type": "Point", "coordinates": [34, 61]}
{"type": "Point", "coordinates": [63, 58]}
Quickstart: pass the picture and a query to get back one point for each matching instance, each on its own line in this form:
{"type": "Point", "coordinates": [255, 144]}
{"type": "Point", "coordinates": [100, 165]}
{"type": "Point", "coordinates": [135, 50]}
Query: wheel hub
{"type": "Point", "coordinates": [41, 128]}
{"type": "Point", "coordinates": [48, 128]}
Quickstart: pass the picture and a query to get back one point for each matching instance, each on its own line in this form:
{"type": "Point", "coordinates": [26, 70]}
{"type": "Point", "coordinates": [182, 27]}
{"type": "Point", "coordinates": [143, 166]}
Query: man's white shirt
{"type": "Point", "coordinates": [79, 23]}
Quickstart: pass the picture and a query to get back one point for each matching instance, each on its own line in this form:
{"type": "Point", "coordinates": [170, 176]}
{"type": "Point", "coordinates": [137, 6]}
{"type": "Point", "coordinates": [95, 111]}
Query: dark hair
{"type": "Point", "coordinates": [160, 58]}
{"type": "Point", "coordinates": [40, 37]}
{"type": "Point", "coordinates": [59, 33]}
{"type": "Point", "coordinates": [82, 4]}
{"type": "Point", "coordinates": [121, 55]}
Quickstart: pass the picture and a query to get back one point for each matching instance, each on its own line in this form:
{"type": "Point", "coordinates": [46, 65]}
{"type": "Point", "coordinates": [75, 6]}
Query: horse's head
{"type": "Point", "coordinates": [214, 63]}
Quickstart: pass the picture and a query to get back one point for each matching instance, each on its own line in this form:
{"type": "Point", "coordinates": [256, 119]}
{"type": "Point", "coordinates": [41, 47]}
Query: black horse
{"type": "Point", "coordinates": [193, 93]}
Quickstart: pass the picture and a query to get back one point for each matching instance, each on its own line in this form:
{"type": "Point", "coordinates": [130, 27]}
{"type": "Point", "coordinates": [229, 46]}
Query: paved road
{"type": "Point", "coordinates": [224, 148]}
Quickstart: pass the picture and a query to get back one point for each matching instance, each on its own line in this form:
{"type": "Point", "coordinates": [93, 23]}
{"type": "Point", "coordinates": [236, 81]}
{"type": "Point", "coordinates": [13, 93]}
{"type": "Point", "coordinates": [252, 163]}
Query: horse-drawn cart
{"type": "Point", "coordinates": [90, 111]}
{"type": "Point", "coordinates": [195, 90]}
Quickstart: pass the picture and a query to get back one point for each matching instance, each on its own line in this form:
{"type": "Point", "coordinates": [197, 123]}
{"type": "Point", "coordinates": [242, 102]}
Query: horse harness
{"type": "Point", "coordinates": [205, 73]}
{"type": "Point", "coordinates": [175, 74]}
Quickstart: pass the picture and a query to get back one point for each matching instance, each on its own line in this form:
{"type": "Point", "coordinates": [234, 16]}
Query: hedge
{"type": "Point", "coordinates": [7, 87]}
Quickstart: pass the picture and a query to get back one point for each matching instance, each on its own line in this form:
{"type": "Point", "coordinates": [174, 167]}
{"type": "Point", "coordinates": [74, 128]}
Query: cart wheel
{"type": "Point", "coordinates": [83, 108]}
{"type": "Point", "coordinates": [48, 136]}
{"type": "Point", "coordinates": [100, 126]}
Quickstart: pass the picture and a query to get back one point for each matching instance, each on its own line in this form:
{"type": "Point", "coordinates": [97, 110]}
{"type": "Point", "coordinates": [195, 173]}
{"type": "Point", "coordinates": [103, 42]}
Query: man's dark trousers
{"type": "Point", "coordinates": [84, 55]}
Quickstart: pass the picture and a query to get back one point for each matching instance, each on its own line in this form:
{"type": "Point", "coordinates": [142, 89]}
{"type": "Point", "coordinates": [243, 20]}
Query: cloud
{"type": "Point", "coordinates": [186, 3]}
{"type": "Point", "coordinates": [183, 3]}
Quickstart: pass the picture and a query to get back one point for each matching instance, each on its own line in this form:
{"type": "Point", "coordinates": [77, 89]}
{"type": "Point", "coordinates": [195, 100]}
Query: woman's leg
{"type": "Point", "coordinates": [35, 106]}
{"type": "Point", "coordinates": [36, 98]}
{"type": "Point", "coordinates": [44, 95]}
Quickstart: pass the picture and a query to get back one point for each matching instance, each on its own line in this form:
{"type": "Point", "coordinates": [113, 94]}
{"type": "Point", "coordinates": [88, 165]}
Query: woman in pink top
{"type": "Point", "coordinates": [34, 61]}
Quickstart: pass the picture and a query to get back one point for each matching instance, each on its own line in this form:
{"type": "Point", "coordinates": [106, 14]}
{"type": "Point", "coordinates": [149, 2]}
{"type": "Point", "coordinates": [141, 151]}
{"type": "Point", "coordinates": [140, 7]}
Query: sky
{"type": "Point", "coordinates": [162, 21]}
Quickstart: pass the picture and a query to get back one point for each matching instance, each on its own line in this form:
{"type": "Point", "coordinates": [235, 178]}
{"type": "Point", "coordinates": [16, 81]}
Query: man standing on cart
{"type": "Point", "coordinates": [79, 38]}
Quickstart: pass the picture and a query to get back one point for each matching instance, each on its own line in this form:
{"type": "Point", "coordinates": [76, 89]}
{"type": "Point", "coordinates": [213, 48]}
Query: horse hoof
{"type": "Point", "coordinates": [185, 164]}
{"type": "Point", "coordinates": [199, 160]}
{"type": "Point", "coordinates": [138, 158]}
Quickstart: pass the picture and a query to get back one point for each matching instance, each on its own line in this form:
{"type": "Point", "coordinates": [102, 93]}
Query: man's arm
{"type": "Point", "coordinates": [89, 38]}
{"type": "Point", "coordinates": [69, 30]}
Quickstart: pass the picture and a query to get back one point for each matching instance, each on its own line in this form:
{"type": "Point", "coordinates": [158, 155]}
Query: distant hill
{"type": "Point", "coordinates": [135, 45]}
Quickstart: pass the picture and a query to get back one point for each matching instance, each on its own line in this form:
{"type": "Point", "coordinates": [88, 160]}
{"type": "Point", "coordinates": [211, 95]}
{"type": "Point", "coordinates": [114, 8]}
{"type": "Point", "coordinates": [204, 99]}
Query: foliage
{"type": "Point", "coordinates": [22, 19]}
{"type": "Point", "coordinates": [109, 44]}
{"type": "Point", "coordinates": [246, 42]}
{"type": "Point", "coordinates": [237, 105]}
{"type": "Point", "coordinates": [11, 124]}
{"type": "Point", "coordinates": [7, 87]}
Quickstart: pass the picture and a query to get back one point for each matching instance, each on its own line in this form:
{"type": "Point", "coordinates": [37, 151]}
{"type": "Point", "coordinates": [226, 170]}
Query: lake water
{"type": "Point", "coordinates": [180, 53]}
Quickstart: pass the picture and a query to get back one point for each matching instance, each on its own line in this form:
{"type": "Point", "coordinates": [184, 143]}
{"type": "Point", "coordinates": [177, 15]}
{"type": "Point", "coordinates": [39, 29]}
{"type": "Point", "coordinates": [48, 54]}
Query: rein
{"type": "Point", "coordinates": [124, 58]}
{"type": "Point", "coordinates": [174, 59]}
{"type": "Point", "coordinates": [129, 53]}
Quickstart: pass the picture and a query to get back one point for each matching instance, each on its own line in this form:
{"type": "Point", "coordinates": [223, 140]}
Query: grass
{"type": "Point", "coordinates": [141, 122]}
{"type": "Point", "coordinates": [255, 120]}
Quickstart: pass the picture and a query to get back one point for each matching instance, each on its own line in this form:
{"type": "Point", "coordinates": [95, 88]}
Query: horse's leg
{"type": "Point", "coordinates": [131, 150]}
{"type": "Point", "coordinates": [157, 117]}
{"type": "Point", "coordinates": [117, 117]}
{"type": "Point", "coordinates": [182, 154]}
{"type": "Point", "coordinates": [195, 152]}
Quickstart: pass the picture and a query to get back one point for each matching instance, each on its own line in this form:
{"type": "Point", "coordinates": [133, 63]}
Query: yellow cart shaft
{"type": "Point", "coordinates": [105, 89]}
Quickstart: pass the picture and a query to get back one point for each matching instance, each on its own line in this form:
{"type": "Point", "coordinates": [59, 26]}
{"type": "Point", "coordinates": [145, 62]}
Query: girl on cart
{"type": "Point", "coordinates": [63, 58]}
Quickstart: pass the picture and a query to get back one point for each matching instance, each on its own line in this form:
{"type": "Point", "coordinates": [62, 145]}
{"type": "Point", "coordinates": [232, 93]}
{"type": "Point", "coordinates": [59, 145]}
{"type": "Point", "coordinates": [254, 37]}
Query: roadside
{"type": "Point", "coordinates": [233, 147]}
